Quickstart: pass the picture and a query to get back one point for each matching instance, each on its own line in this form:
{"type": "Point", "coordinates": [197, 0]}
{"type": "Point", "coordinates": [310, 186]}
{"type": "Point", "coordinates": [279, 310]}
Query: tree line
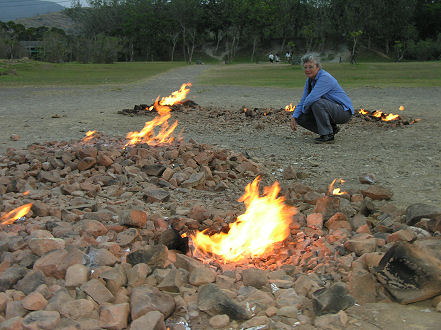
{"type": "Point", "coordinates": [132, 30]}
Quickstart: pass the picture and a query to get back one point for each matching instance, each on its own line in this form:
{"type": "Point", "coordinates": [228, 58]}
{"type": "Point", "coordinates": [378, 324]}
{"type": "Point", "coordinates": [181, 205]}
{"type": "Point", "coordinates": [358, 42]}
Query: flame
{"type": "Point", "coordinates": [390, 117]}
{"type": "Point", "coordinates": [290, 107]}
{"type": "Point", "coordinates": [336, 191]}
{"type": "Point", "coordinates": [176, 96]}
{"type": "Point", "coordinates": [17, 213]}
{"type": "Point", "coordinates": [363, 112]}
{"type": "Point", "coordinates": [89, 136]}
{"type": "Point", "coordinates": [265, 222]}
{"type": "Point", "coordinates": [164, 136]}
{"type": "Point", "coordinates": [26, 193]}
{"type": "Point", "coordinates": [377, 114]}
{"type": "Point", "coordinates": [401, 108]}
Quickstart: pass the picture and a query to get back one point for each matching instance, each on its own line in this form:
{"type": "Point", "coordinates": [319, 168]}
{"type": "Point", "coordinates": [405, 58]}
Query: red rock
{"type": "Point", "coordinates": [40, 209]}
{"type": "Point", "coordinates": [41, 246]}
{"type": "Point", "coordinates": [78, 309]}
{"type": "Point", "coordinates": [87, 152]}
{"type": "Point", "coordinates": [219, 321]}
{"type": "Point", "coordinates": [327, 206]}
{"type": "Point", "coordinates": [377, 192]}
{"type": "Point", "coordinates": [14, 323]}
{"type": "Point", "coordinates": [199, 212]}
{"type": "Point", "coordinates": [194, 180]}
{"type": "Point", "coordinates": [153, 320]}
{"type": "Point", "coordinates": [34, 301]}
{"type": "Point", "coordinates": [135, 218]}
{"type": "Point", "coordinates": [56, 262]}
{"type": "Point", "coordinates": [361, 243]}
{"type": "Point", "coordinates": [86, 163]}
{"type": "Point", "coordinates": [97, 290]}
{"type": "Point", "coordinates": [114, 316]}
{"type": "Point", "coordinates": [104, 160]}
{"type": "Point", "coordinates": [406, 235]}
{"type": "Point", "coordinates": [338, 221]}
{"type": "Point", "coordinates": [76, 275]}
{"type": "Point", "coordinates": [315, 220]}
{"type": "Point", "coordinates": [93, 227]}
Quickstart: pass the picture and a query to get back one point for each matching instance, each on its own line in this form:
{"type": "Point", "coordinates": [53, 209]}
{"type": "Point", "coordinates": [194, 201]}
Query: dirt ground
{"type": "Point", "coordinates": [405, 159]}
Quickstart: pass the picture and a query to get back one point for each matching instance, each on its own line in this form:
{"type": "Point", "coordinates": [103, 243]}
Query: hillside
{"type": "Point", "coordinates": [13, 9]}
{"type": "Point", "coordinates": [55, 19]}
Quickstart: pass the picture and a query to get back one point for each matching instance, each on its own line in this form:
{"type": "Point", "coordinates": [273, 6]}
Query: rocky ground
{"type": "Point", "coordinates": [101, 245]}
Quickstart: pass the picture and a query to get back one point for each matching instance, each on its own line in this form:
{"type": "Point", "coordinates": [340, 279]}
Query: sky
{"type": "Point", "coordinates": [67, 3]}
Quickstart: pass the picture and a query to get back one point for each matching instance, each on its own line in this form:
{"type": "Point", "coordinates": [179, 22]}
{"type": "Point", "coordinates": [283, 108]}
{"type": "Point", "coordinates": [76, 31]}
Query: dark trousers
{"type": "Point", "coordinates": [322, 116]}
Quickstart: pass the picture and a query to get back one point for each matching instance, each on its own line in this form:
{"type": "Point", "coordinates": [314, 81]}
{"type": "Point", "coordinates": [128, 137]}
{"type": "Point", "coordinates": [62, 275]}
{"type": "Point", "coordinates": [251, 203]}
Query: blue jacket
{"type": "Point", "coordinates": [323, 86]}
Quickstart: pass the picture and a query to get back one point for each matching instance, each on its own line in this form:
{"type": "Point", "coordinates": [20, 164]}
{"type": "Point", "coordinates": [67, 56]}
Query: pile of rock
{"type": "Point", "coordinates": [102, 247]}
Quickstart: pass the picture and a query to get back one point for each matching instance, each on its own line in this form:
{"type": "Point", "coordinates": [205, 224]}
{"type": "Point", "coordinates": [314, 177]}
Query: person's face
{"type": "Point", "coordinates": [311, 69]}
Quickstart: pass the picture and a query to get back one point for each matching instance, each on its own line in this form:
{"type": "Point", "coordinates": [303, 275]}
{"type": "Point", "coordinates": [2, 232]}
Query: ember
{"type": "Point", "coordinates": [17, 213]}
{"type": "Point", "coordinates": [265, 222]}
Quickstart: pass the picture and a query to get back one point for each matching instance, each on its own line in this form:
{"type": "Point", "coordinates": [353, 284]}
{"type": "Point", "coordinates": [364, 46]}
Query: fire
{"type": "Point", "coordinates": [377, 114]}
{"type": "Point", "coordinates": [176, 96]}
{"type": "Point", "coordinates": [89, 136]}
{"type": "Point", "coordinates": [390, 117]}
{"type": "Point", "coordinates": [290, 107]}
{"type": "Point", "coordinates": [401, 108]}
{"type": "Point", "coordinates": [381, 115]}
{"type": "Point", "coordinates": [336, 191]}
{"type": "Point", "coordinates": [17, 213]}
{"type": "Point", "coordinates": [164, 136]}
{"type": "Point", "coordinates": [265, 222]}
{"type": "Point", "coordinates": [363, 112]}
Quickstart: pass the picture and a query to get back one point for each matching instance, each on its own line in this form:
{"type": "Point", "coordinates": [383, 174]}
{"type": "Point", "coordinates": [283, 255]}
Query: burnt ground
{"type": "Point", "coordinates": [405, 159]}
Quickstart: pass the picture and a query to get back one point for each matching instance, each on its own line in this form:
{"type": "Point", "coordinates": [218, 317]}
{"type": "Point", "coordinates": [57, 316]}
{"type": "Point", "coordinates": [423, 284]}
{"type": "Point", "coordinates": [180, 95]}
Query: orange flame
{"type": "Point", "coordinates": [17, 213]}
{"type": "Point", "coordinates": [401, 108]}
{"type": "Point", "coordinates": [377, 114]}
{"type": "Point", "coordinates": [265, 222]}
{"type": "Point", "coordinates": [336, 191]}
{"type": "Point", "coordinates": [176, 96]}
{"type": "Point", "coordinates": [390, 117]}
{"type": "Point", "coordinates": [164, 136]}
{"type": "Point", "coordinates": [89, 136]}
{"type": "Point", "coordinates": [363, 112]}
{"type": "Point", "coordinates": [290, 107]}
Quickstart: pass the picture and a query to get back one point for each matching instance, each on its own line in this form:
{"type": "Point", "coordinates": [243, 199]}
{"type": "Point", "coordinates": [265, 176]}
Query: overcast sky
{"type": "Point", "coordinates": [67, 3]}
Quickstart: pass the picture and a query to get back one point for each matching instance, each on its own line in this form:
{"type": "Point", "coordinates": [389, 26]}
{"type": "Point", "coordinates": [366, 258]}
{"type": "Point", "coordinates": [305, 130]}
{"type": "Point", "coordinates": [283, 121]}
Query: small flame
{"type": "Point", "coordinates": [377, 114]}
{"type": "Point", "coordinates": [17, 213]}
{"type": "Point", "coordinates": [336, 191]}
{"type": "Point", "coordinates": [401, 108]}
{"type": "Point", "coordinates": [265, 222]}
{"type": "Point", "coordinates": [363, 112]}
{"type": "Point", "coordinates": [290, 107]}
{"type": "Point", "coordinates": [89, 136]}
{"type": "Point", "coordinates": [176, 96]}
{"type": "Point", "coordinates": [26, 193]}
{"type": "Point", "coordinates": [164, 136]}
{"type": "Point", "coordinates": [390, 117]}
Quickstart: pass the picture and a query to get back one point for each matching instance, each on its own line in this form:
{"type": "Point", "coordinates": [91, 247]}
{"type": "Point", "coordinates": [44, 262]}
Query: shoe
{"type": "Point", "coordinates": [325, 139]}
{"type": "Point", "coordinates": [335, 129]}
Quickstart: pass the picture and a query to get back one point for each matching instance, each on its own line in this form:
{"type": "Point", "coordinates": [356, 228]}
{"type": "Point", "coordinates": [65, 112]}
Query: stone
{"type": "Point", "coordinates": [315, 220]}
{"type": "Point", "coordinates": [137, 274]}
{"type": "Point", "coordinates": [174, 280]}
{"type": "Point", "coordinates": [103, 160]}
{"type": "Point", "coordinates": [144, 299]}
{"type": "Point", "coordinates": [257, 322]}
{"type": "Point", "coordinates": [156, 256]}
{"type": "Point", "coordinates": [14, 323]}
{"type": "Point", "coordinates": [127, 236]}
{"type": "Point", "coordinates": [288, 311]}
{"type": "Point", "coordinates": [31, 281]}
{"type": "Point", "coordinates": [86, 163]}
{"type": "Point", "coordinates": [367, 178]}
{"type": "Point", "coordinates": [219, 321]}
{"type": "Point", "coordinates": [214, 301]}
{"type": "Point", "coordinates": [153, 320]}
{"type": "Point", "coordinates": [254, 277]}
{"type": "Point", "coordinates": [417, 211]}
{"type": "Point", "coordinates": [410, 273]}
{"type": "Point", "coordinates": [406, 235]}
{"type": "Point", "coordinates": [332, 299]}
{"type": "Point", "coordinates": [11, 276]}
{"type": "Point", "coordinates": [153, 169]}
{"type": "Point", "coordinates": [195, 179]}
{"type": "Point", "coordinates": [361, 244]}
{"type": "Point", "coordinates": [40, 209]}
{"type": "Point", "coordinates": [101, 257]}
{"type": "Point", "coordinates": [338, 221]}
{"type": "Point", "coordinates": [377, 192]}
{"type": "Point", "coordinates": [55, 263]}
{"type": "Point", "coordinates": [187, 263]}
{"type": "Point", "coordinates": [305, 285]}
{"type": "Point", "coordinates": [76, 275]}
{"type": "Point", "coordinates": [327, 206]}
{"type": "Point", "coordinates": [93, 227]}
{"type": "Point", "coordinates": [362, 286]}
{"type": "Point", "coordinates": [135, 218]}
{"type": "Point", "coordinates": [201, 276]}
{"type": "Point", "coordinates": [98, 291]}
{"type": "Point", "coordinates": [14, 309]}
{"type": "Point", "coordinates": [41, 246]}
{"type": "Point", "coordinates": [156, 195]}
{"type": "Point", "coordinates": [289, 173]}
{"type": "Point", "coordinates": [173, 241]}
{"type": "Point", "coordinates": [41, 320]}
{"type": "Point", "coordinates": [78, 309]}
{"type": "Point", "coordinates": [34, 301]}
{"type": "Point", "coordinates": [114, 316]}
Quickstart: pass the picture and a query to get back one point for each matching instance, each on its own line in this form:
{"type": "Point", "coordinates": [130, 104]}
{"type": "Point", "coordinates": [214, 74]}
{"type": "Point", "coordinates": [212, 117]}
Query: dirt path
{"type": "Point", "coordinates": [407, 159]}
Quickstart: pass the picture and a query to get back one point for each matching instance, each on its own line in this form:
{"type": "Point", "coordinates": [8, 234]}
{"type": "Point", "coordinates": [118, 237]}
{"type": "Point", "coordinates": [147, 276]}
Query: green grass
{"type": "Point", "coordinates": [409, 74]}
{"type": "Point", "coordinates": [41, 73]}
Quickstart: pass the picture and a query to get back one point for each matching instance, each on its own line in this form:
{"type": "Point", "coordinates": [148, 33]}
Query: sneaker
{"type": "Point", "coordinates": [325, 139]}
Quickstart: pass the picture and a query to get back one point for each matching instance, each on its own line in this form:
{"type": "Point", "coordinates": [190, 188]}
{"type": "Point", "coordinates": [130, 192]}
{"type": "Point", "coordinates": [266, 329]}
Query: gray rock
{"type": "Point", "coordinates": [417, 211]}
{"type": "Point", "coordinates": [31, 281]}
{"type": "Point", "coordinates": [146, 298]}
{"type": "Point", "coordinates": [153, 255]}
{"type": "Point", "coordinates": [332, 299]}
{"type": "Point", "coordinates": [153, 169]}
{"type": "Point", "coordinates": [11, 276]}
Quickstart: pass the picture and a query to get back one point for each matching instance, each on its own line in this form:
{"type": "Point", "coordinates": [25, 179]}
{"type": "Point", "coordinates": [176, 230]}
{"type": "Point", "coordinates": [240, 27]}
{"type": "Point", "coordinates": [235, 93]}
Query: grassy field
{"type": "Point", "coordinates": [23, 73]}
{"type": "Point", "coordinates": [410, 74]}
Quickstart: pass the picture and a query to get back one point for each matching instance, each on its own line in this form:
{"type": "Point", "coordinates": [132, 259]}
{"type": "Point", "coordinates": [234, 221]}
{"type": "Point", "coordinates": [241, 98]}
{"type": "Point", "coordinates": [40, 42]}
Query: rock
{"type": "Point", "coordinates": [153, 169]}
{"type": "Point", "coordinates": [195, 179]}
{"type": "Point", "coordinates": [289, 173]}
{"type": "Point", "coordinates": [31, 281]}
{"type": "Point", "coordinates": [174, 280]}
{"type": "Point", "coordinates": [78, 309]}
{"type": "Point", "coordinates": [315, 220]}
{"type": "Point", "coordinates": [40, 209]}
{"type": "Point", "coordinates": [410, 273]}
{"type": "Point", "coordinates": [257, 322]}
{"type": "Point", "coordinates": [155, 256]}
{"type": "Point", "coordinates": [156, 195]}
{"type": "Point", "coordinates": [14, 323]}
{"type": "Point", "coordinates": [14, 309]}
{"type": "Point", "coordinates": [101, 257]}
{"type": "Point", "coordinates": [34, 301]}
{"type": "Point", "coordinates": [104, 160]}
{"type": "Point", "coordinates": [219, 321]}
{"type": "Point", "coordinates": [137, 274]}
{"type": "Point", "coordinates": [304, 286]}
{"type": "Point", "coordinates": [417, 211]}
{"type": "Point", "coordinates": [173, 241]}
{"type": "Point", "coordinates": [135, 218]}
{"type": "Point", "coordinates": [201, 276]}
{"type": "Point", "coordinates": [144, 299]}
{"type": "Point", "coordinates": [377, 192]}
{"type": "Point", "coordinates": [93, 227]}
{"type": "Point", "coordinates": [86, 163]}
{"type": "Point", "coordinates": [76, 275]}
{"type": "Point", "coordinates": [254, 277]}
{"type": "Point", "coordinates": [187, 263]}
{"type": "Point", "coordinates": [361, 244]}
{"type": "Point", "coordinates": [367, 178]}
{"type": "Point", "coordinates": [406, 235]}
{"type": "Point", "coordinates": [338, 221]}
{"type": "Point", "coordinates": [153, 320]}
{"type": "Point", "coordinates": [288, 311]}
{"type": "Point", "coordinates": [41, 320]}
{"type": "Point", "coordinates": [127, 236]}
{"type": "Point", "coordinates": [11, 276]}
{"type": "Point", "coordinates": [327, 206]}
{"type": "Point", "coordinates": [332, 299]}
{"type": "Point", "coordinates": [41, 246]}
{"type": "Point", "coordinates": [114, 316]}
{"type": "Point", "coordinates": [55, 263]}
{"type": "Point", "coordinates": [213, 301]}
{"type": "Point", "coordinates": [98, 291]}
{"type": "Point", "coordinates": [362, 286]}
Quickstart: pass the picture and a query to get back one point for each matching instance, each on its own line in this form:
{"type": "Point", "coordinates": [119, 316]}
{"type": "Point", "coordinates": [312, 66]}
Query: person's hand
{"type": "Point", "coordinates": [293, 124]}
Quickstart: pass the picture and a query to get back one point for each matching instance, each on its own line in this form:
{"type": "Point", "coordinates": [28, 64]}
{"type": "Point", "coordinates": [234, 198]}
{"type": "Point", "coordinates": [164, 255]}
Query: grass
{"type": "Point", "coordinates": [409, 74]}
{"type": "Point", "coordinates": [41, 73]}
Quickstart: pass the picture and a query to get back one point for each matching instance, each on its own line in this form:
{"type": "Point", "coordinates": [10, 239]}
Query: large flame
{"type": "Point", "coordinates": [336, 191]}
{"type": "Point", "coordinates": [390, 117]}
{"type": "Point", "coordinates": [164, 136]}
{"type": "Point", "coordinates": [290, 108]}
{"type": "Point", "coordinates": [265, 222]}
{"type": "Point", "coordinates": [17, 213]}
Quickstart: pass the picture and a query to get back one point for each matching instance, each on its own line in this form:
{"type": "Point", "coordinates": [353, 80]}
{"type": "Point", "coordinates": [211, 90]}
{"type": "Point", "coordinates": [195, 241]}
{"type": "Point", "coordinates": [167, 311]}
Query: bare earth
{"type": "Point", "coordinates": [405, 159]}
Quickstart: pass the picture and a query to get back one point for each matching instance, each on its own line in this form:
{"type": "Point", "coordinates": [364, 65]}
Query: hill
{"type": "Point", "coordinates": [57, 19]}
{"type": "Point", "coordinates": [13, 9]}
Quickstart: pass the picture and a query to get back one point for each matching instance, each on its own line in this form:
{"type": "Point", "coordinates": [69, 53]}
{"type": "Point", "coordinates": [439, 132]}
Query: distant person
{"type": "Point", "coordinates": [271, 57]}
{"type": "Point", "coordinates": [277, 58]}
{"type": "Point", "coordinates": [288, 57]}
{"type": "Point", "coordinates": [324, 103]}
